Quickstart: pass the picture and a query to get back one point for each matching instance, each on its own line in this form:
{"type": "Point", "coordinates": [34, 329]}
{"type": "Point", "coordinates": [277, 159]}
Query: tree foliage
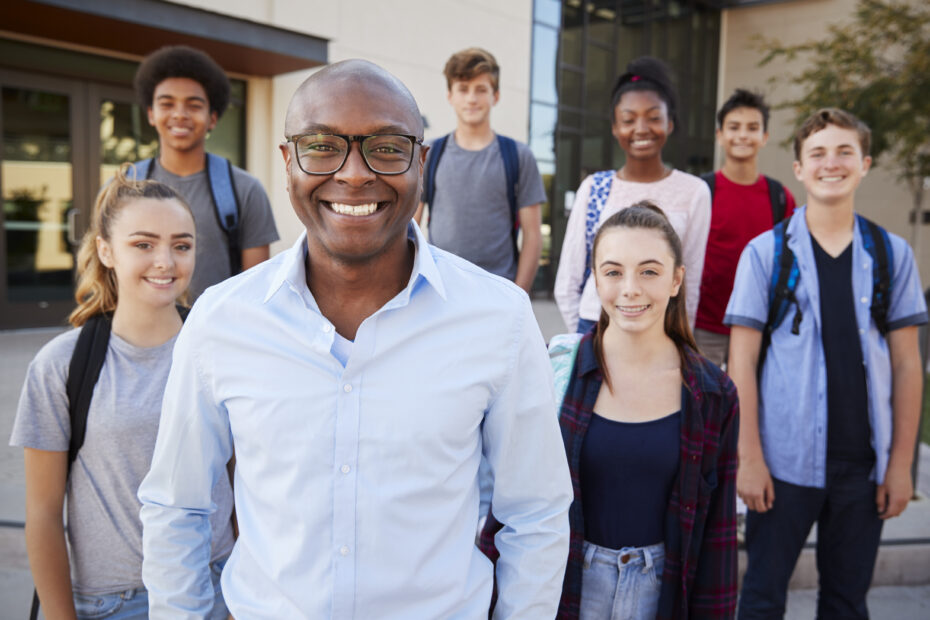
{"type": "Point", "coordinates": [877, 66]}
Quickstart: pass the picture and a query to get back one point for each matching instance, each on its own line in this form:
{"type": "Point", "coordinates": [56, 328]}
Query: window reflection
{"type": "Point", "coordinates": [36, 174]}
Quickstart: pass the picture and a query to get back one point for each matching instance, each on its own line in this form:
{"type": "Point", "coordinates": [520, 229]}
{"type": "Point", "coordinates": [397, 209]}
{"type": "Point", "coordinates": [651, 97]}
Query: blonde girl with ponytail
{"type": "Point", "coordinates": [134, 266]}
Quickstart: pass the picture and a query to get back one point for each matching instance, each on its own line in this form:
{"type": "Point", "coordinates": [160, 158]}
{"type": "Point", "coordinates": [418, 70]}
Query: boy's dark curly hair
{"type": "Point", "coordinates": [181, 61]}
{"type": "Point", "coordinates": [647, 73]}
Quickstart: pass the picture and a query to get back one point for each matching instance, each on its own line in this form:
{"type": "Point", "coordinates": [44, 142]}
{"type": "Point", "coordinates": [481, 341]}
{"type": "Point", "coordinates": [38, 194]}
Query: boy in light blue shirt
{"type": "Point", "coordinates": [828, 423]}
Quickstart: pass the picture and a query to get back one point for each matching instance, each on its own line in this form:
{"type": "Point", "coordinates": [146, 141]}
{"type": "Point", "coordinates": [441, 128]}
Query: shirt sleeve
{"type": "Point", "coordinates": [257, 227]}
{"type": "Point", "coordinates": [530, 188]}
{"type": "Point", "coordinates": [694, 246]}
{"type": "Point", "coordinates": [43, 421]}
{"type": "Point", "coordinates": [569, 277]}
{"type": "Point", "coordinates": [532, 490]}
{"type": "Point", "coordinates": [749, 301]}
{"type": "Point", "coordinates": [908, 306]}
{"type": "Point", "coordinates": [191, 451]}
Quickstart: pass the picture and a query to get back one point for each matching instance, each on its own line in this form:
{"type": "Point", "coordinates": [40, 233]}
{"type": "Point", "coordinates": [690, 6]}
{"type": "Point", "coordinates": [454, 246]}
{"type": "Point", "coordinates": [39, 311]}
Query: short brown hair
{"type": "Point", "coordinates": [832, 116]}
{"type": "Point", "coordinates": [469, 64]}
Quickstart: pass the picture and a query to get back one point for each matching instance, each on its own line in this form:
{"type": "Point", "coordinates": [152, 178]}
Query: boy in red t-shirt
{"type": "Point", "coordinates": [745, 204]}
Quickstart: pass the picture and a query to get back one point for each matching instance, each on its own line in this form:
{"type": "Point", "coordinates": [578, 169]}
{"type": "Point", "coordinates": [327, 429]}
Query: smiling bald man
{"type": "Point", "coordinates": [362, 378]}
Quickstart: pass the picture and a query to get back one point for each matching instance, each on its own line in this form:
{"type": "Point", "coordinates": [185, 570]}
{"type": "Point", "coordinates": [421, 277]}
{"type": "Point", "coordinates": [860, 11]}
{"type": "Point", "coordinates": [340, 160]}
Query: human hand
{"type": "Point", "coordinates": [754, 485]}
{"type": "Point", "coordinates": [892, 496]}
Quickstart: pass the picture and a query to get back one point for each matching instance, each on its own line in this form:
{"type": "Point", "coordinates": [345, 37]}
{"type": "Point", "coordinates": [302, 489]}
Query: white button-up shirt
{"type": "Point", "coordinates": [356, 485]}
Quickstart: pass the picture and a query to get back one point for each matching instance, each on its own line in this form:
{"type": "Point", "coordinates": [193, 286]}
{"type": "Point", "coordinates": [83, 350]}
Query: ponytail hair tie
{"type": "Point", "coordinates": [635, 78]}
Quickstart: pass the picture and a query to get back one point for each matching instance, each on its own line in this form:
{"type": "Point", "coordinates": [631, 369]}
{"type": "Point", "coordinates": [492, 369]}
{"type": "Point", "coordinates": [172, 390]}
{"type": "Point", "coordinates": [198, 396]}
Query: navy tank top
{"type": "Point", "coordinates": [627, 473]}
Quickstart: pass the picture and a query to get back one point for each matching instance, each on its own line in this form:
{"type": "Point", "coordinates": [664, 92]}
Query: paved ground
{"type": "Point", "coordinates": [885, 602]}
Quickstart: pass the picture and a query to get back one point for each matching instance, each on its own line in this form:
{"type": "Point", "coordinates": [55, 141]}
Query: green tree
{"type": "Point", "coordinates": [877, 66]}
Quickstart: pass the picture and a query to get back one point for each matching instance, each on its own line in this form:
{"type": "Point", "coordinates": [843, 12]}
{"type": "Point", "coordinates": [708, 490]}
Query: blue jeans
{"type": "Point", "coordinates": [134, 604]}
{"type": "Point", "coordinates": [848, 535]}
{"type": "Point", "coordinates": [621, 584]}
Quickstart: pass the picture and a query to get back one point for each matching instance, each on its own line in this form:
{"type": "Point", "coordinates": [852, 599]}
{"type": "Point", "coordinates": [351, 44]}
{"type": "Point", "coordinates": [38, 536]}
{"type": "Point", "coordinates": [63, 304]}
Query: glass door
{"type": "Point", "coordinates": [40, 181]}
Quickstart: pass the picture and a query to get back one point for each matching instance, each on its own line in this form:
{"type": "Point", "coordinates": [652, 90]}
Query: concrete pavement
{"type": "Point", "coordinates": [901, 587]}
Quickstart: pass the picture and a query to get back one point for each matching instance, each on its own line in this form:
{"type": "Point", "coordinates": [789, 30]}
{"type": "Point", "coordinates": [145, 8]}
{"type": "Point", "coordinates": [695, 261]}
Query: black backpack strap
{"type": "Point", "coordinates": [83, 372]}
{"type": "Point", "coordinates": [508, 149]}
{"type": "Point", "coordinates": [711, 179]}
{"type": "Point", "coordinates": [432, 164]}
{"type": "Point", "coordinates": [784, 282]}
{"type": "Point", "coordinates": [878, 245]}
{"type": "Point", "coordinates": [778, 199]}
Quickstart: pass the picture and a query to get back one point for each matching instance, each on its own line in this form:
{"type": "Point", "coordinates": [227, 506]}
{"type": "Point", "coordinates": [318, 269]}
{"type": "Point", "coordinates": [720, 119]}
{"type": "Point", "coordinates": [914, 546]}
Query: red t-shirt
{"type": "Point", "coordinates": [739, 213]}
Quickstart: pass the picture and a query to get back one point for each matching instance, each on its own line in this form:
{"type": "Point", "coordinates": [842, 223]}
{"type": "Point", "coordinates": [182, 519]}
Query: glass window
{"type": "Point", "coordinates": [572, 33]}
{"type": "Point", "coordinates": [542, 131]}
{"type": "Point", "coordinates": [598, 79]}
{"type": "Point", "coordinates": [37, 194]}
{"type": "Point", "coordinates": [570, 87]}
{"type": "Point", "coordinates": [548, 12]}
{"type": "Point", "coordinates": [545, 61]}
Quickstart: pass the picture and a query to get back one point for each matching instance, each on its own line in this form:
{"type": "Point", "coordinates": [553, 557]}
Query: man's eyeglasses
{"type": "Point", "coordinates": [321, 153]}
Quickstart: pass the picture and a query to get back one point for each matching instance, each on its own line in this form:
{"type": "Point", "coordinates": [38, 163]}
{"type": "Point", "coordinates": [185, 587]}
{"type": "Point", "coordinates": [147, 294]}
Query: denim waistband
{"type": "Point", "coordinates": [627, 557]}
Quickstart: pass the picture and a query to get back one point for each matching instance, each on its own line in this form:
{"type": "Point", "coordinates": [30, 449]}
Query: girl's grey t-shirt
{"type": "Point", "coordinates": [104, 532]}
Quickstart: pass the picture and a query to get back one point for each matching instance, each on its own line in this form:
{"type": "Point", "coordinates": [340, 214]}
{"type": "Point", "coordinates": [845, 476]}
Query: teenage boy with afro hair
{"type": "Point", "coordinates": [741, 209]}
{"type": "Point", "coordinates": [185, 92]}
{"type": "Point", "coordinates": [472, 211]}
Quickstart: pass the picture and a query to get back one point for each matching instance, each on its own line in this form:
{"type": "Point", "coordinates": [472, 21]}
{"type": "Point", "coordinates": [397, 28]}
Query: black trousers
{"type": "Point", "coordinates": [848, 535]}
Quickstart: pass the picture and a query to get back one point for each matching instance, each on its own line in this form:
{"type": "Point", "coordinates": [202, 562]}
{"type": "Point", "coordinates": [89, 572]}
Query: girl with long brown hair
{"type": "Point", "coordinates": [135, 263]}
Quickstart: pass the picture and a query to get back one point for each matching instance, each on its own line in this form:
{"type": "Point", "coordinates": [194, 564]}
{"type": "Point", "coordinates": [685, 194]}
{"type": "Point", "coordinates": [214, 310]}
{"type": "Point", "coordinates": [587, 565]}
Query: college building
{"type": "Point", "coordinates": [68, 116]}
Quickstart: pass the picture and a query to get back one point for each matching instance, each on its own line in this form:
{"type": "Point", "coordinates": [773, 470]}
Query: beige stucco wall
{"type": "Point", "coordinates": [881, 196]}
{"type": "Point", "coordinates": [412, 39]}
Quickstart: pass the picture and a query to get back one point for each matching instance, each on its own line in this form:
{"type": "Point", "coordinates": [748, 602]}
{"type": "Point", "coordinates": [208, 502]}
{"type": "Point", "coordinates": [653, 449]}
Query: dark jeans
{"type": "Point", "coordinates": [848, 534]}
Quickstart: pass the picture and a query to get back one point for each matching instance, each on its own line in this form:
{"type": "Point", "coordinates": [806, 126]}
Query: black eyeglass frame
{"type": "Point", "coordinates": [349, 140]}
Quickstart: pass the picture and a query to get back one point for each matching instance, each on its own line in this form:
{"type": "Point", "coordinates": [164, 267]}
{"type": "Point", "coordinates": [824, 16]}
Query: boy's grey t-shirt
{"type": "Point", "coordinates": [104, 531]}
{"type": "Point", "coordinates": [256, 222]}
{"type": "Point", "coordinates": [470, 214]}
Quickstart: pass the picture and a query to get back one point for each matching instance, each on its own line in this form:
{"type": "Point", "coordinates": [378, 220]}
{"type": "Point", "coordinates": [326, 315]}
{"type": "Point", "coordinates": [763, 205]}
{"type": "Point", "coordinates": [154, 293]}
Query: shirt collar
{"type": "Point", "coordinates": [293, 267]}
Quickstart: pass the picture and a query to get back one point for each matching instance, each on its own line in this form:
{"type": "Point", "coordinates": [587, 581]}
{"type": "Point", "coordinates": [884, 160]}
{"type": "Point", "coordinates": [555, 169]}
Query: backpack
{"type": "Point", "coordinates": [225, 201]}
{"type": "Point", "coordinates": [508, 148]}
{"type": "Point", "coordinates": [785, 276]}
{"type": "Point", "coordinates": [600, 189]}
{"type": "Point", "coordinates": [83, 371]}
{"type": "Point", "coordinates": [777, 197]}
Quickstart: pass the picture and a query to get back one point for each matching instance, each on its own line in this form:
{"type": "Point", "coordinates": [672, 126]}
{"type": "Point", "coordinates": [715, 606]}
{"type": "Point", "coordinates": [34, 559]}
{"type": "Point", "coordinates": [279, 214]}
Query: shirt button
{"type": "Point", "coordinates": [861, 331]}
{"type": "Point", "coordinates": [344, 550]}
{"type": "Point", "coordinates": [864, 300]}
{"type": "Point", "coordinates": [327, 328]}
{"type": "Point", "coordinates": [345, 469]}
{"type": "Point", "coordinates": [347, 388]}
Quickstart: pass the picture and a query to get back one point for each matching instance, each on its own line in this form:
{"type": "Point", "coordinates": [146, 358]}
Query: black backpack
{"type": "Point", "coordinates": [83, 371]}
{"type": "Point", "coordinates": [785, 276]}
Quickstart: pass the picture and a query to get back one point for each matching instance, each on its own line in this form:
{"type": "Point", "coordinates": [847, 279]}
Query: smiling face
{"type": "Point", "coordinates": [180, 113]}
{"type": "Point", "coordinates": [151, 251]}
{"type": "Point", "coordinates": [353, 215]}
{"type": "Point", "coordinates": [473, 99]}
{"type": "Point", "coordinates": [641, 124]}
{"type": "Point", "coordinates": [635, 275]}
{"type": "Point", "coordinates": [742, 134]}
{"type": "Point", "coordinates": [831, 165]}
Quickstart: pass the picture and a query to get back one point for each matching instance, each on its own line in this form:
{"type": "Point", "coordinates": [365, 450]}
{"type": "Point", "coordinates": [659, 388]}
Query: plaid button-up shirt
{"type": "Point", "coordinates": [700, 574]}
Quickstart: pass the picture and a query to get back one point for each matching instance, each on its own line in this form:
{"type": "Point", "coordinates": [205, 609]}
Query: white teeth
{"type": "Point", "coordinates": [633, 308]}
{"type": "Point", "coordinates": [642, 142]}
{"type": "Point", "coordinates": [357, 210]}
{"type": "Point", "coordinates": [159, 280]}
{"type": "Point", "coordinates": [831, 179]}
